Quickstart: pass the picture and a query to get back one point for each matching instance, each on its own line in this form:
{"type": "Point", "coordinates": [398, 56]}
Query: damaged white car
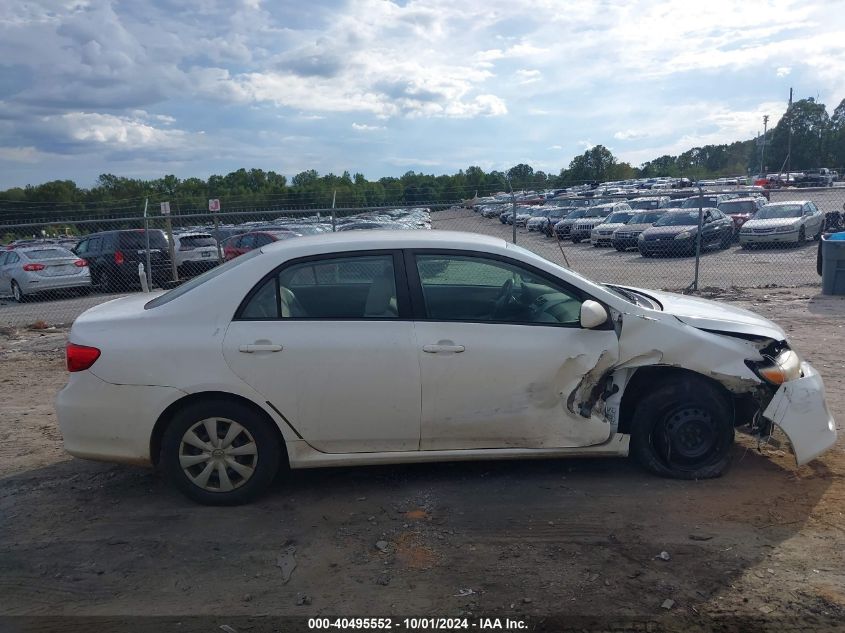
{"type": "Point", "coordinates": [387, 347]}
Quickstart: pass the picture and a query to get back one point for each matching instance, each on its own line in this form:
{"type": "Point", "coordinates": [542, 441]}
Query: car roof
{"type": "Point", "coordinates": [782, 202]}
{"type": "Point", "coordinates": [386, 240]}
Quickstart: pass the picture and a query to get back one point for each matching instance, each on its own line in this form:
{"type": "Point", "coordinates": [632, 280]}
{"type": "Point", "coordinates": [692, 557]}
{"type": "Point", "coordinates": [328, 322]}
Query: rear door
{"type": "Point", "coordinates": [330, 343]}
{"type": "Point", "coordinates": [497, 369]}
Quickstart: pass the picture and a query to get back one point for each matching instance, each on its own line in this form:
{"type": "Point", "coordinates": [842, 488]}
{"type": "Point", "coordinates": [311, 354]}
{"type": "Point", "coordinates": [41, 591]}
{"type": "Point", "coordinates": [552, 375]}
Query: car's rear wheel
{"type": "Point", "coordinates": [17, 293]}
{"type": "Point", "coordinates": [727, 238]}
{"type": "Point", "coordinates": [220, 452]}
{"type": "Point", "coordinates": [802, 236]}
{"type": "Point", "coordinates": [818, 235]}
{"type": "Point", "coordinates": [683, 429]}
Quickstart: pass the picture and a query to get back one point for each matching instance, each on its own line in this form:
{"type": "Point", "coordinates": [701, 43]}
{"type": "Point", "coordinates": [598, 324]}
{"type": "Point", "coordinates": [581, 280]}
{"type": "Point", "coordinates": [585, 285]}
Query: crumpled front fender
{"type": "Point", "coordinates": [799, 409]}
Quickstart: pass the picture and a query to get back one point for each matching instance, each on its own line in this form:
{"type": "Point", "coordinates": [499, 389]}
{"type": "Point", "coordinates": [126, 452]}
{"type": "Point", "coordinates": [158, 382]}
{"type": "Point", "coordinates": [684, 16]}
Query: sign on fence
{"type": "Point", "coordinates": [165, 208]}
{"type": "Point", "coordinates": [214, 205]}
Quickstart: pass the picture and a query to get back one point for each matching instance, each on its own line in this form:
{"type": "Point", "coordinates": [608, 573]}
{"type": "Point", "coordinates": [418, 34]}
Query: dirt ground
{"type": "Point", "coordinates": [762, 545]}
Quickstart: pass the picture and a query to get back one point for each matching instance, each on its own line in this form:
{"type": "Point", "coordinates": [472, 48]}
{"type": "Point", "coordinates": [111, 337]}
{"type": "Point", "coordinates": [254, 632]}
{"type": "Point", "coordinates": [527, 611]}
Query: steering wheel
{"type": "Point", "coordinates": [505, 298]}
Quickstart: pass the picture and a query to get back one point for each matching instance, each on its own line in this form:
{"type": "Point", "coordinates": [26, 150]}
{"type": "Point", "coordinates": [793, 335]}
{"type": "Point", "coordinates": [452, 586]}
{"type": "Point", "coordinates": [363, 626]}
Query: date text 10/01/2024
{"type": "Point", "coordinates": [416, 624]}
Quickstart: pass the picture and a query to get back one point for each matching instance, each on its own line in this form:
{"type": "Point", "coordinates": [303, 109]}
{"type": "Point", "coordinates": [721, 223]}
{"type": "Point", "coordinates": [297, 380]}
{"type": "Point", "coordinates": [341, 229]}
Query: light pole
{"type": "Point", "coordinates": [763, 150]}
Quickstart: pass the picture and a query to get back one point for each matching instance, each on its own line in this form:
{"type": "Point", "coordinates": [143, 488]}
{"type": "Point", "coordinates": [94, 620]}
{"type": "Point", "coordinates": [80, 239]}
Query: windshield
{"type": "Point", "coordinates": [679, 219]}
{"type": "Point", "coordinates": [644, 204]}
{"type": "Point", "coordinates": [578, 213]}
{"type": "Point", "coordinates": [197, 240]}
{"type": "Point", "coordinates": [542, 213]}
{"type": "Point", "coordinates": [645, 218]}
{"type": "Point", "coordinates": [742, 206]}
{"type": "Point", "coordinates": [776, 211]}
{"type": "Point", "coordinates": [49, 253]}
{"type": "Point", "coordinates": [695, 202]}
{"type": "Point", "coordinates": [597, 212]}
{"type": "Point", "coordinates": [200, 280]}
{"type": "Point", "coordinates": [620, 217]}
{"type": "Point", "coordinates": [576, 202]}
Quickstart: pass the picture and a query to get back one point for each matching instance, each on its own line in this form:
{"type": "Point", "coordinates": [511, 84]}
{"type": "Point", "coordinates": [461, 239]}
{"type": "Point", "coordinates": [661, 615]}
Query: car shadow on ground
{"type": "Point", "coordinates": [561, 536]}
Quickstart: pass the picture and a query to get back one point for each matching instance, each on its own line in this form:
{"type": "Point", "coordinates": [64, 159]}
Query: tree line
{"type": "Point", "coordinates": [818, 139]}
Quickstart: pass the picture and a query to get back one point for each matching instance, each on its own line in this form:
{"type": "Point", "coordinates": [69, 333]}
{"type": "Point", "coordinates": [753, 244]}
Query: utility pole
{"type": "Point", "coordinates": [763, 150]}
{"type": "Point", "coordinates": [789, 141]}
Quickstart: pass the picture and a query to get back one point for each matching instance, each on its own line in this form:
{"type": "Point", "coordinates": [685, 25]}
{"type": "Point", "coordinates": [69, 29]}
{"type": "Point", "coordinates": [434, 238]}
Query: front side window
{"type": "Point", "coordinates": [359, 287]}
{"type": "Point", "coordinates": [477, 288]}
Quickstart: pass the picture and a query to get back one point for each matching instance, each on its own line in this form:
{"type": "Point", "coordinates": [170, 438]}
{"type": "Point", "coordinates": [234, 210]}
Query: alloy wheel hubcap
{"type": "Point", "coordinates": [218, 454]}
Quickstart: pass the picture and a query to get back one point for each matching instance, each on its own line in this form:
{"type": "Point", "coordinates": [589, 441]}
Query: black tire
{"type": "Point", "coordinates": [726, 241]}
{"type": "Point", "coordinates": [267, 456]}
{"type": "Point", "coordinates": [818, 236]}
{"type": "Point", "coordinates": [106, 281]}
{"type": "Point", "coordinates": [683, 429]}
{"type": "Point", "coordinates": [802, 236]}
{"type": "Point", "coordinates": [17, 293]}
{"type": "Point", "coordinates": [576, 240]}
{"type": "Point", "coordinates": [819, 259]}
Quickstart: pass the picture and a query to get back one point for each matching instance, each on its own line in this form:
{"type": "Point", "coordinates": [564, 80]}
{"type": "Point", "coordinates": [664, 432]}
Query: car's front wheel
{"type": "Point", "coordinates": [220, 452]}
{"type": "Point", "coordinates": [683, 429]}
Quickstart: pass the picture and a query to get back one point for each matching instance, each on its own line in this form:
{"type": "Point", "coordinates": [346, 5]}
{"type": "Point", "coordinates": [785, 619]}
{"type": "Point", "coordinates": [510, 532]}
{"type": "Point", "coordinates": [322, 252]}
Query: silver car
{"type": "Point", "coordinates": [26, 271]}
{"type": "Point", "coordinates": [789, 222]}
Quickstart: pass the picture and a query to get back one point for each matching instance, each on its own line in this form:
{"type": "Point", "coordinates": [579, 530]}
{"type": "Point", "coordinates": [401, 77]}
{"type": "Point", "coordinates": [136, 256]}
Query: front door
{"type": "Point", "coordinates": [501, 355]}
{"type": "Point", "coordinates": [328, 342]}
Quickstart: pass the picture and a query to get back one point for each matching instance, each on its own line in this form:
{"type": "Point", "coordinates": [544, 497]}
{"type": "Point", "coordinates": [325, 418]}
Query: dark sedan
{"type": "Point", "coordinates": [676, 233]}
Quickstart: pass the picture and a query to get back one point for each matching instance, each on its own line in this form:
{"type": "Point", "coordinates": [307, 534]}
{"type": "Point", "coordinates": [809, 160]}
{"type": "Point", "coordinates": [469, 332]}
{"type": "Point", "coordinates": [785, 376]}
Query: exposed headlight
{"type": "Point", "coordinates": [641, 237]}
{"type": "Point", "coordinates": [784, 367]}
{"type": "Point", "coordinates": [683, 236]}
{"type": "Point", "coordinates": [785, 229]}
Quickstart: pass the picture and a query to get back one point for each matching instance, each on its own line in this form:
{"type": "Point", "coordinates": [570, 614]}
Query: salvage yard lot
{"type": "Point", "coordinates": [571, 537]}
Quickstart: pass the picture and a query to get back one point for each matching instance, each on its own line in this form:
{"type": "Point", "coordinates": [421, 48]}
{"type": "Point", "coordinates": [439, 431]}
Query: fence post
{"type": "Point", "coordinates": [513, 209]}
{"type": "Point", "coordinates": [698, 236]}
{"type": "Point", "coordinates": [334, 217]}
{"type": "Point", "coordinates": [147, 244]}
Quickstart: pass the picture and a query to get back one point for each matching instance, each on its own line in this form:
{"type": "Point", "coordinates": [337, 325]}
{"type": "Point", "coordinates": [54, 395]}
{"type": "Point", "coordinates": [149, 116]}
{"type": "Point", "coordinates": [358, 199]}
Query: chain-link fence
{"type": "Point", "coordinates": [52, 270]}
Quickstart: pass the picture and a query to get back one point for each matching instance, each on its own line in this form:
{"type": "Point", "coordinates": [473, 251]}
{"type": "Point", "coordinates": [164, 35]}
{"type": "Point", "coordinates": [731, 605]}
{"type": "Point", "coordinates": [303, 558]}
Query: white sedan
{"type": "Point", "coordinates": [378, 347]}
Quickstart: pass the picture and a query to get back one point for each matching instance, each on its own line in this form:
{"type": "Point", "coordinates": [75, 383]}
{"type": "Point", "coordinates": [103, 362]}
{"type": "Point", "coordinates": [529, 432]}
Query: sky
{"type": "Point", "coordinates": [196, 87]}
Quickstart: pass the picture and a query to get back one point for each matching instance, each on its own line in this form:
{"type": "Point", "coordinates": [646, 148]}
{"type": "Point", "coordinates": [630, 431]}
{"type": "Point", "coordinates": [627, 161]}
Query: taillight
{"type": "Point", "coordinates": [33, 267]}
{"type": "Point", "coordinates": [80, 357]}
{"type": "Point", "coordinates": [118, 258]}
{"type": "Point", "coordinates": [80, 263]}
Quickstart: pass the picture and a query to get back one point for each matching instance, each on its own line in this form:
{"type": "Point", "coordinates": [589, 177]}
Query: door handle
{"type": "Point", "coordinates": [259, 347]}
{"type": "Point", "coordinates": [440, 348]}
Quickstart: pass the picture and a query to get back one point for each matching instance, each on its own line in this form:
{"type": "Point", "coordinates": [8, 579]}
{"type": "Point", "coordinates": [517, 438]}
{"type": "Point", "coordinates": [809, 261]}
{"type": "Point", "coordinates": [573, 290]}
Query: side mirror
{"type": "Point", "coordinates": [593, 314]}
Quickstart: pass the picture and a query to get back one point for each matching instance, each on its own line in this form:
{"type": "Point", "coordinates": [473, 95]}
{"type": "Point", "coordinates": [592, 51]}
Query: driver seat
{"type": "Point", "coordinates": [381, 298]}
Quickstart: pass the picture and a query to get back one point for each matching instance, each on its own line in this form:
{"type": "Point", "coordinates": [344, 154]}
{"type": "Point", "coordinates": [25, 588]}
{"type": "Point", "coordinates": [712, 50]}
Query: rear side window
{"type": "Point", "coordinates": [135, 240]}
{"type": "Point", "coordinates": [360, 287]}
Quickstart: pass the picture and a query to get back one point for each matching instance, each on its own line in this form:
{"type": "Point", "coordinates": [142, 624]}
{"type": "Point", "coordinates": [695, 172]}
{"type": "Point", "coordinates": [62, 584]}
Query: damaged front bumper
{"type": "Point", "coordinates": [799, 409]}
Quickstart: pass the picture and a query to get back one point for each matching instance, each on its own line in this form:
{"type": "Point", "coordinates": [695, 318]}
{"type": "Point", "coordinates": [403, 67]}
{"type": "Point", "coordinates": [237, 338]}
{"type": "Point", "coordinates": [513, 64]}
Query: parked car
{"type": "Point", "coordinates": [28, 270]}
{"type": "Point", "coordinates": [650, 202]}
{"type": "Point", "coordinates": [563, 228]}
{"type": "Point", "coordinates": [240, 244]}
{"type": "Point", "coordinates": [370, 226]}
{"type": "Point", "coordinates": [740, 210]}
{"type": "Point", "coordinates": [113, 258]}
{"type": "Point", "coordinates": [194, 252]}
{"type": "Point", "coordinates": [602, 235]}
{"type": "Point", "coordinates": [706, 201]}
{"type": "Point", "coordinates": [346, 350]}
{"type": "Point", "coordinates": [583, 227]}
{"type": "Point", "coordinates": [783, 223]}
{"type": "Point", "coordinates": [627, 236]}
{"type": "Point", "coordinates": [676, 233]}
{"type": "Point", "coordinates": [556, 214]}
{"type": "Point", "coordinates": [539, 219]}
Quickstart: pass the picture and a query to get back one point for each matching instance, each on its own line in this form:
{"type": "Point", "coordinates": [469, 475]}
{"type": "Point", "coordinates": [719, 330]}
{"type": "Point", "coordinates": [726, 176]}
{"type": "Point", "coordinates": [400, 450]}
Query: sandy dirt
{"type": "Point", "coordinates": [527, 539]}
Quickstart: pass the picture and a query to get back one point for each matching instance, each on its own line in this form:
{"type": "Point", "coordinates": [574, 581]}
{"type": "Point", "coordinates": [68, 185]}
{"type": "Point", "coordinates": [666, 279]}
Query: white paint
{"type": "Point", "coordinates": [368, 388]}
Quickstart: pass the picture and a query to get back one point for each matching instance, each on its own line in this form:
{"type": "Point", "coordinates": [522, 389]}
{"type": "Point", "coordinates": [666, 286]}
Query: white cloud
{"type": "Point", "coordinates": [783, 71]}
{"type": "Point", "coordinates": [20, 154]}
{"type": "Point", "coordinates": [526, 76]}
{"type": "Point", "coordinates": [108, 129]}
{"type": "Point", "coordinates": [363, 127]}
{"type": "Point", "coordinates": [628, 135]}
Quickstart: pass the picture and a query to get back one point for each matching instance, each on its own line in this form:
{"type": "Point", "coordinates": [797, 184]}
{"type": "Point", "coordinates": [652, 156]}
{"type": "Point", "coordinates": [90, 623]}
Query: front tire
{"type": "Point", "coordinates": [683, 429]}
{"type": "Point", "coordinates": [219, 452]}
{"type": "Point", "coordinates": [802, 236]}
